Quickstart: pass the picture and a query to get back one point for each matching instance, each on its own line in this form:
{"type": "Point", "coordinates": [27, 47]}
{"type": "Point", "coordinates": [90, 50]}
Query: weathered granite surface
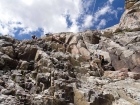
{"type": "Point", "coordinates": [55, 69]}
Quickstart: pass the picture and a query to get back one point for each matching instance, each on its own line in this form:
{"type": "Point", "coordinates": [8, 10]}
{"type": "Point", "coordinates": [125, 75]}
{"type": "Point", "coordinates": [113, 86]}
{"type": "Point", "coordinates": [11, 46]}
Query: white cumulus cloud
{"type": "Point", "coordinates": [33, 14]}
{"type": "Point", "coordinates": [26, 16]}
{"type": "Point", "coordinates": [101, 24]}
{"type": "Point", "coordinates": [88, 21]}
{"type": "Point", "coordinates": [105, 10]}
{"type": "Point", "coordinates": [102, 11]}
{"type": "Point", "coordinates": [111, 1]}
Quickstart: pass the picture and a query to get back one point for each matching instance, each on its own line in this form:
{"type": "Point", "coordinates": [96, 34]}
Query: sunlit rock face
{"type": "Point", "coordinates": [57, 69]}
{"type": "Point", "coordinates": [130, 3]}
{"type": "Point", "coordinates": [37, 72]}
{"type": "Point", "coordinates": [130, 20]}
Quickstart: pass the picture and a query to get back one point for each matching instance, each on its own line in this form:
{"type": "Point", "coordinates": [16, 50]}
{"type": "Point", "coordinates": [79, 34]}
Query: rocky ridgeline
{"type": "Point", "coordinates": [55, 69]}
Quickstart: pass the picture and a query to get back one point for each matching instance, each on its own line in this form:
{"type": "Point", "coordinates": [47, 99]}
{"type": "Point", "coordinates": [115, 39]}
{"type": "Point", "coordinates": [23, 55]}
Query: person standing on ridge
{"type": "Point", "coordinates": [34, 37]}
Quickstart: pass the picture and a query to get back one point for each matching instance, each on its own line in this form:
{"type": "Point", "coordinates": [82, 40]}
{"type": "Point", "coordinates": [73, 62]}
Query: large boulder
{"type": "Point", "coordinates": [135, 62]}
{"type": "Point", "coordinates": [117, 63]}
{"type": "Point", "coordinates": [92, 37]}
{"type": "Point", "coordinates": [135, 58]}
{"type": "Point", "coordinates": [27, 52]}
{"type": "Point", "coordinates": [8, 62]}
{"type": "Point", "coordinates": [83, 51]}
{"type": "Point", "coordinates": [40, 54]}
{"type": "Point", "coordinates": [74, 49]}
{"type": "Point", "coordinates": [75, 39]}
{"type": "Point", "coordinates": [68, 38]}
{"type": "Point", "coordinates": [9, 50]}
{"type": "Point", "coordinates": [81, 44]}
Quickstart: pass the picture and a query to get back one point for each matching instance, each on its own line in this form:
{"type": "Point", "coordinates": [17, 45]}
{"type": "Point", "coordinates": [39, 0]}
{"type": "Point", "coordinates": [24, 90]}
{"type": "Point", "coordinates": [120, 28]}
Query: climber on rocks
{"type": "Point", "coordinates": [97, 61]}
{"type": "Point", "coordinates": [34, 37]}
{"type": "Point", "coordinates": [101, 57]}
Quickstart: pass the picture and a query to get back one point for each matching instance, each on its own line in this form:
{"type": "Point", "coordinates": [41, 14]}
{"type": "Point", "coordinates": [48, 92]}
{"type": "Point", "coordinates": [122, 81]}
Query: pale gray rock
{"type": "Point", "coordinates": [56, 70]}
{"type": "Point", "coordinates": [75, 39]}
{"type": "Point", "coordinates": [9, 51]}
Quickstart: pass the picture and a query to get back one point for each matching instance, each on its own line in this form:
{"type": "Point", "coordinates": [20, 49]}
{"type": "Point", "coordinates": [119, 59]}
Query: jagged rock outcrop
{"type": "Point", "coordinates": [57, 77]}
{"type": "Point", "coordinates": [130, 3]}
{"type": "Point", "coordinates": [130, 20]}
{"type": "Point", "coordinates": [56, 69]}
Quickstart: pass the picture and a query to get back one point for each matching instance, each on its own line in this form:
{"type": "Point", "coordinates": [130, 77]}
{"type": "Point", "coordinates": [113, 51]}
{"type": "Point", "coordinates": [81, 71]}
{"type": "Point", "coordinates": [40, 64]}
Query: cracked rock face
{"type": "Point", "coordinates": [47, 76]}
{"type": "Point", "coordinates": [130, 3]}
{"type": "Point", "coordinates": [58, 70]}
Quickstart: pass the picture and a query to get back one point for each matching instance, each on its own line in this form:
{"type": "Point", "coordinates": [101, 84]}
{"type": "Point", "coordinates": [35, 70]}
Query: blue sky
{"type": "Point", "coordinates": [23, 18]}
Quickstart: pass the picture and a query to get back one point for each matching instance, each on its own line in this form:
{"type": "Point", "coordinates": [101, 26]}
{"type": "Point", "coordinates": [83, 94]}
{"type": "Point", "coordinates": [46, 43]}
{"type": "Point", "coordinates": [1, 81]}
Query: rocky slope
{"type": "Point", "coordinates": [55, 69]}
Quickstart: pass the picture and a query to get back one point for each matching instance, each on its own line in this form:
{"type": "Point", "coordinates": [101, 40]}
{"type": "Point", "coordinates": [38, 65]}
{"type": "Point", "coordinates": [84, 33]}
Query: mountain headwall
{"type": "Point", "coordinates": [57, 69]}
